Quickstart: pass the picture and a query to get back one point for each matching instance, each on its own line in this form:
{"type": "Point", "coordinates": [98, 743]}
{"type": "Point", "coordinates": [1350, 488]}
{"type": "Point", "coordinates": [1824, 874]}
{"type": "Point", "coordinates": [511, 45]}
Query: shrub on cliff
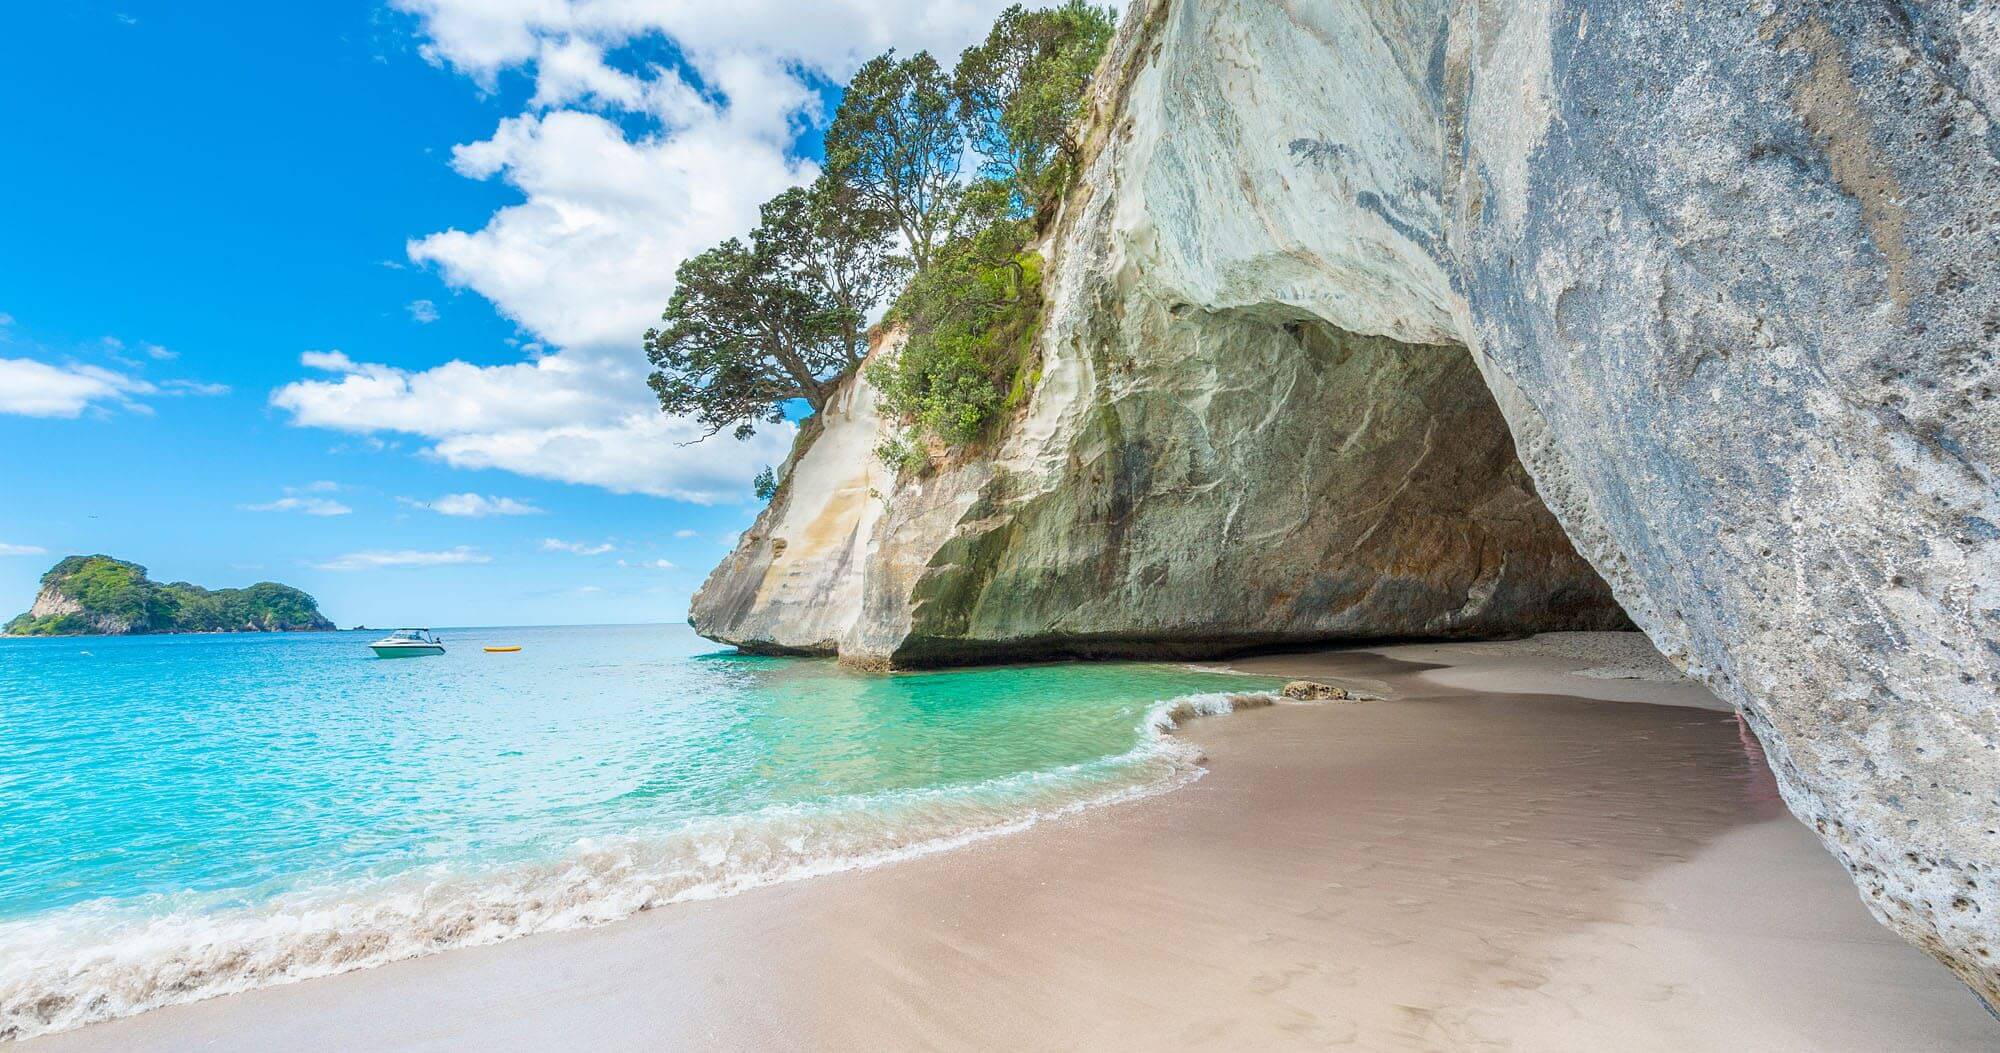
{"type": "Point", "coordinates": [972, 314]}
{"type": "Point", "coordinates": [971, 320]}
{"type": "Point", "coordinates": [756, 325]}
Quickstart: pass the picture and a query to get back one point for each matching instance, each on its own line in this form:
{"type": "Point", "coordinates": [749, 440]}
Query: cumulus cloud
{"type": "Point", "coordinates": [22, 550]}
{"type": "Point", "coordinates": [475, 506]}
{"type": "Point", "coordinates": [580, 548]}
{"type": "Point", "coordinates": [611, 206]}
{"type": "Point", "coordinates": [450, 399]}
{"type": "Point", "coordinates": [377, 559]}
{"type": "Point", "coordinates": [570, 417]}
{"type": "Point", "coordinates": [642, 452]}
{"type": "Point", "coordinates": [29, 388]}
{"type": "Point", "coordinates": [423, 312]}
{"type": "Point", "coordinates": [622, 171]}
{"type": "Point", "coordinates": [586, 260]}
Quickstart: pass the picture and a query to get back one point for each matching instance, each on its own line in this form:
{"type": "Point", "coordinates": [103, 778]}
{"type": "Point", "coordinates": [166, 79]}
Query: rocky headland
{"type": "Point", "coordinates": [1448, 320]}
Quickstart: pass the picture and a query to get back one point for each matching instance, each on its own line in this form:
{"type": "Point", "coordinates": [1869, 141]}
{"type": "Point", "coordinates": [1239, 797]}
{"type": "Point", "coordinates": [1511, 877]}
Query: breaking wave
{"type": "Point", "coordinates": [104, 959]}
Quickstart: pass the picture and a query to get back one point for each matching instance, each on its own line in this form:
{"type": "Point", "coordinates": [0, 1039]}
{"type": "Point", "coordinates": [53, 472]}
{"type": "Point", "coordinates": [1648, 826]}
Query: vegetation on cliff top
{"type": "Point", "coordinates": [753, 326]}
{"type": "Point", "coordinates": [112, 596]}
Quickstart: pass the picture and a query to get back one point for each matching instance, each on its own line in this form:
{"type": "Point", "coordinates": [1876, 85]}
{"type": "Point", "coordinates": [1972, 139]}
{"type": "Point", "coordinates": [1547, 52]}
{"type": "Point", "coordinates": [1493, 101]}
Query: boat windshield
{"type": "Point", "coordinates": [408, 634]}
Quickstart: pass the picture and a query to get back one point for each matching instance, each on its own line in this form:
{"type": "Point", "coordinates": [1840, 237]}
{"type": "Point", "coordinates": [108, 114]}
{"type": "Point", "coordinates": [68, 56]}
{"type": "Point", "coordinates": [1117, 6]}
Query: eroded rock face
{"type": "Point", "coordinates": [792, 585]}
{"type": "Point", "coordinates": [1732, 274]}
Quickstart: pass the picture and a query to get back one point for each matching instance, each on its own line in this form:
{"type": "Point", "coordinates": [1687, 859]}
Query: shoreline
{"type": "Point", "coordinates": [1451, 868]}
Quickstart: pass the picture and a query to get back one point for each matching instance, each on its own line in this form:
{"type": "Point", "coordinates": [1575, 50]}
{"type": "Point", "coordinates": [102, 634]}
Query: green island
{"type": "Point", "coordinates": [99, 595]}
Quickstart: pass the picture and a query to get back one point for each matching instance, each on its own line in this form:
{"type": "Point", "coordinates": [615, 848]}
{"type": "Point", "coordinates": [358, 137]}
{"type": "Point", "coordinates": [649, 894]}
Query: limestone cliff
{"type": "Point", "coordinates": [792, 585]}
{"type": "Point", "coordinates": [1730, 275]}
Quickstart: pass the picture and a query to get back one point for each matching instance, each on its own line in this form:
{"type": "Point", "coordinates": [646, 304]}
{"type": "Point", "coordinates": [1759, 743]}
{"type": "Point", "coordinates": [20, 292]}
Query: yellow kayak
{"type": "Point", "coordinates": [503, 650]}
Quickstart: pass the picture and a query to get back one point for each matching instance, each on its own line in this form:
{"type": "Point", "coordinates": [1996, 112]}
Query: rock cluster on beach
{"type": "Point", "coordinates": [1725, 278]}
{"type": "Point", "coordinates": [1314, 691]}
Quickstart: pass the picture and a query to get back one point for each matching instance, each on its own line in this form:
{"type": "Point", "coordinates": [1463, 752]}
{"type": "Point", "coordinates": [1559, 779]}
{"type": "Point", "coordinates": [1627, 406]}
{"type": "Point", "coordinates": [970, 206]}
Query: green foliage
{"type": "Point", "coordinates": [766, 484]}
{"type": "Point", "coordinates": [114, 594]}
{"type": "Point", "coordinates": [897, 141]}
{"type": "Point", "coordinates": [753, 326]}
{"type": "Point", "coordinates": [1020, 91]}
{"type": "Point", "coordinates": [971, 320]}
{"type": "Point", "coordinates": [973, 311]}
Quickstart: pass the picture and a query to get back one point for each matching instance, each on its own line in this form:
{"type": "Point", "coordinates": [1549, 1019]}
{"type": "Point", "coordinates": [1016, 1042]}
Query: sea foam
{"type": "Point", "coordinates": [104, 959]}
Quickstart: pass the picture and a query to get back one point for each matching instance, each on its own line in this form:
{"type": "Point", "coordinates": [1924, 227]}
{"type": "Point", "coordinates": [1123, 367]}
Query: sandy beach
{"type": "Point", "coordinates": [1543, 845]}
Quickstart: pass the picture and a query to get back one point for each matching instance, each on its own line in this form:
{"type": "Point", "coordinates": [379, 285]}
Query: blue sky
{"type": "Point", "coordinates": [350, 296]}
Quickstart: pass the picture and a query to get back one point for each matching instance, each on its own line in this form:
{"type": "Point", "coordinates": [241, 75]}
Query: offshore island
{"type": "Point", "coordinates": [1594, 400]}
{"type": "Point", "coordinates": [102, 596]}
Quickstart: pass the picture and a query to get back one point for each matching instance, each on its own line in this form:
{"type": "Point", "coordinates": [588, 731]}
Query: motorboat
{"type": "Point", "coordinates": [407, 643]}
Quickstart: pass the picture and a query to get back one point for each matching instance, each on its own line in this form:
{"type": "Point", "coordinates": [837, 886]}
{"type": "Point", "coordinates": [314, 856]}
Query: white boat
{"type": "Point", "coordinates": [407, 643]}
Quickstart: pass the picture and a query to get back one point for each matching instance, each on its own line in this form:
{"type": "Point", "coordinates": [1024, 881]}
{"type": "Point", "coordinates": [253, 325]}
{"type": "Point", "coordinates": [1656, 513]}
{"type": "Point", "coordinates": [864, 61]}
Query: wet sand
{"type": "Point", "coordinates": [1506, 867]}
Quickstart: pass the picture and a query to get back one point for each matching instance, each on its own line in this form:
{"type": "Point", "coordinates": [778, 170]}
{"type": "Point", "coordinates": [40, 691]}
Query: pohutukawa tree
{"type": "Point", "coordinates": [1020, 91]}
{"type": "Point", "coordinates": [756, 324]}
{"type": "Point", "coordinates": [752, 327]}
{"type": "Point", "coordinates": [897, 141]}
{"type": "Point", "coordinates": [841, 249]}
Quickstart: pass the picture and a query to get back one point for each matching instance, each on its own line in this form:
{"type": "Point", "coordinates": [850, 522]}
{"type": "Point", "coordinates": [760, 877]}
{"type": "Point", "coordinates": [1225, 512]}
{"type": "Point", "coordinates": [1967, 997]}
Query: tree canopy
{"type": "Point", "coordinates": [752, 326]}
{"type": "Point", "coordinates": [781, 315]}
{"type": "Point", "coordinates": [1020, 91]}
{"type": "Point", "coordinates": [896, 139]}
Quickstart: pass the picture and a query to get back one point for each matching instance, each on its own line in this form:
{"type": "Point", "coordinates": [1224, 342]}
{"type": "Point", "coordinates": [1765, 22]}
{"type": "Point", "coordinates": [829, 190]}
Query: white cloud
{"type": "Point", "coordinates": [623, 170]}
{"type": "Point", "coordinates": [22, 550]}
{"type": "Point", "coordinates": [372, 560]}
{"type": "Point", "coordinates": [475, 506]}
{"type": "Point", "coordinates": [642, 452]}
{"type": "Point", "coordinates": [6, 319]}
{"type": "Point", "coordinates": [451, 399]}
{"type": "Point", "coordinates": [312, 506]}
{"type": "Point", "coordinates": [587, 259]}
{"type": "Point", "coordinates": [684, 534]}
{"type": "Point", "coordinates": [581, 548]}
{"type": "Point", "coordinates": [423, 311]}
{"type": "Point", "coordinates": [299, 499]}
{"type": "Point", "coordinates": [192, 387]}
{"type": "Point", "coordinates": [569, 417]}
{"type": "Point", "coordinates": [158, 353]}
{"type": "Point", "coordinates": [648, 564]}
{"type": "Point", "coordinates": [30, 388]}
{"type": "Point", "coordinates": [482, 37]}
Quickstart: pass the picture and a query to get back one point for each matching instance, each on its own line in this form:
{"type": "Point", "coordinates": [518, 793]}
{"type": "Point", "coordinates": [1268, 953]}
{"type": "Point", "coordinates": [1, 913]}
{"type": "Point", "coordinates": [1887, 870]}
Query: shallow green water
{"type": "Point", "coordinates": [181, 816]}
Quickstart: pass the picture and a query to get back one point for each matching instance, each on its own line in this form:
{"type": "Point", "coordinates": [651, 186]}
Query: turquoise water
{"type": "Point", "coordinates": [183, 816]}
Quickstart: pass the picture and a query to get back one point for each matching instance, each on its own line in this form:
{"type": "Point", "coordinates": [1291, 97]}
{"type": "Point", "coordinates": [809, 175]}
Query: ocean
{"type": "Point", "coordinates": [185, 816]}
